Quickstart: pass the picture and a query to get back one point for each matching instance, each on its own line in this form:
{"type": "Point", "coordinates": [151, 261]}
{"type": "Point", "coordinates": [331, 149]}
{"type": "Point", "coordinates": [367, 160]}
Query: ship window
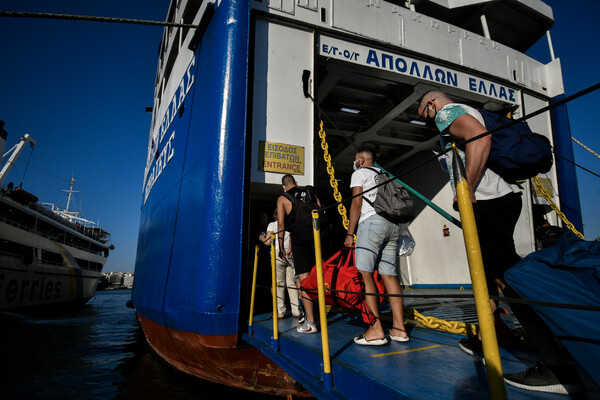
{"type": "Point", "coordinates": [12, 249]}
{"type": "Point", "coordinates": [191, 9]}
{"type": "Point", "coordinates": [84, 264]}
{"type": "Point", "coordinates": [94, 266]}
{"type": "Point", "coordinates": [17, 218]}
{"type": "Point", "coordinates": [50, 231]}
{"type": "Point", "coordinates": [95, 249]}
{"type": "Point", "coordinates": [77, 242]}
{"type": "Point", "coordinates": [172, 56]}
{"type": "Point", "coordinates": [50, 257]}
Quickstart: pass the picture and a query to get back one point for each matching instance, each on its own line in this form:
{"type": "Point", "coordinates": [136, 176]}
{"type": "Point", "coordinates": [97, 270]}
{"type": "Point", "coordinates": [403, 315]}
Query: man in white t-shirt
{"type": "Point", "coordinates": [376, 246]}
{"type": "Point", "coordinates": [284, 271]}
{"type": "Point", "coordinates": [497, 206]}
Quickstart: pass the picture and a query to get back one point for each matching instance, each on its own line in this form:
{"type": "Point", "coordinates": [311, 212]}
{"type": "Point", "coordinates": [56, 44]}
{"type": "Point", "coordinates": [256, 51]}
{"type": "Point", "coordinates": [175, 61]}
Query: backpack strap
{"type": "Point", "coordinates": [290, 198]}
{"type": "Point", "coordinates": [378, 173]}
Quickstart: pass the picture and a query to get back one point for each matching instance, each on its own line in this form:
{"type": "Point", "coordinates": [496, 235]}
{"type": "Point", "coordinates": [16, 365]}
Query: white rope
{"type": "Point", "coordinates": [585, 147]}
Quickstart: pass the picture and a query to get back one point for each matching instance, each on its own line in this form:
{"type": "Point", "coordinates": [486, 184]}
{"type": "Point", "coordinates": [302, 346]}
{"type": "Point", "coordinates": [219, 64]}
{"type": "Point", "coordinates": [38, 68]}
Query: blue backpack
{"type": "Point", "coordinates": [517, 153]}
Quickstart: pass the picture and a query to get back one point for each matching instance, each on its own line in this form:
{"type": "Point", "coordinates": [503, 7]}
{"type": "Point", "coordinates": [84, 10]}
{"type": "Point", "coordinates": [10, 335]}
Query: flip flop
{"type": "Point", "coordinates": [362, 340]}
{"type": "Point", "coordinates": [398, 338]}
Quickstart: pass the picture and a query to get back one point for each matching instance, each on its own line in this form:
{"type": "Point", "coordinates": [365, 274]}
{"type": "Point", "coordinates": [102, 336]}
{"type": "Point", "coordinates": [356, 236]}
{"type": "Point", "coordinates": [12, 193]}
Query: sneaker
{"type": "Point", "coordinates": [307, 327]}
{"type": "Point", "coordinates": [472, 346]}
{"type": "Point", "coordinates": [301, 317]}
{"type": "Point", "coordinates": [541, 379]}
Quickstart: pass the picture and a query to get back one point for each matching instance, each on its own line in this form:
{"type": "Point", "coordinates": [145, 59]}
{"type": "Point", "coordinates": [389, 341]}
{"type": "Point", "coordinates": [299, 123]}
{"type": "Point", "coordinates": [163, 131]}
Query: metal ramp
{"type": "Point", "coordinates": [430, 366]}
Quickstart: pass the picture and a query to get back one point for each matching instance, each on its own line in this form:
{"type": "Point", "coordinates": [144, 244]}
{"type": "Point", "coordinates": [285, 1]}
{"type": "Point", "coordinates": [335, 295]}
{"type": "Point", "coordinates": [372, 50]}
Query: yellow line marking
{"type": "Point", "coordinates": [406, 351]}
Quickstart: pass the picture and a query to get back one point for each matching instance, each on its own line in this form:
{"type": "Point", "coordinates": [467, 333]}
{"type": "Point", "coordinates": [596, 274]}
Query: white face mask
{"type": "Point", "coordinates": [354, 166]}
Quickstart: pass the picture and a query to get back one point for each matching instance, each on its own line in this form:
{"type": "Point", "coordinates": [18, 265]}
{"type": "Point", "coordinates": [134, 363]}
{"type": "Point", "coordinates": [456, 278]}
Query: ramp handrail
{"type": "Point", "coordinates": [482, 298]}
{"type": "Point", "coordinates": [327, 375]}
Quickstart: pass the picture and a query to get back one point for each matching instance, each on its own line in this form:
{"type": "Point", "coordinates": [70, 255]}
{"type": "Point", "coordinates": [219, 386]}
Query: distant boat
{"type": "Point", "coordinates": [49, 257]}
{"type": "Point", "coordinates": [103, 283]}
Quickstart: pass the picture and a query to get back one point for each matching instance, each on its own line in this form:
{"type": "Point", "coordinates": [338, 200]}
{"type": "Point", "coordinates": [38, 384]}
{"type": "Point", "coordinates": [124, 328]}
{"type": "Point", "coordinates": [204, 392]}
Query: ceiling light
{"type": "Point", "coordinates": [350, 110]}
{"type": "Point", "coordinates": [417, 122]}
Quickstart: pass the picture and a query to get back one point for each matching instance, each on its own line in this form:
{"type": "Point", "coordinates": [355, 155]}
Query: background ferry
{"type": "Point", "coordinates": [49, 257]}
{"type": "Point", "coordinates": [239, 101]}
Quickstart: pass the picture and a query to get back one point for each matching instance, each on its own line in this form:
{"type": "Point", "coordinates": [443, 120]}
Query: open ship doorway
{"type": "Point", "coordinates": [364, 104]}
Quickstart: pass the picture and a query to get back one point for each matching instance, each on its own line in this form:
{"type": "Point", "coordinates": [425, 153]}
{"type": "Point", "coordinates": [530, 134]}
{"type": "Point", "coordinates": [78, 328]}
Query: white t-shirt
{"type": "Point", "coordinates": [491, 185]}
{"type": "Point", "coordinates": [365, 178]}
{"type": "Point", "coordinates": [286, 237]}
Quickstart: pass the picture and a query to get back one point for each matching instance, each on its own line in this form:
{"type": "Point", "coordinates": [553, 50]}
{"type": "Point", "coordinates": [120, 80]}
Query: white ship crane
{"type": "Point", "coordinates": [16, 151]}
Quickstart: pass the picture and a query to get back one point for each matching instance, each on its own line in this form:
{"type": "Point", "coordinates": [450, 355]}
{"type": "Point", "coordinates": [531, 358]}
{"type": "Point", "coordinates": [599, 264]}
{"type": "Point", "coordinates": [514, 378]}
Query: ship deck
{"type": "Point", "coordinates": [430, 366]}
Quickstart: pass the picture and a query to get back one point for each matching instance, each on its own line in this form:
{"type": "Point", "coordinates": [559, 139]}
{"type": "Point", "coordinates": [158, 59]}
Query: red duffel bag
{"type": "Point", "coordinates": [344, 286]}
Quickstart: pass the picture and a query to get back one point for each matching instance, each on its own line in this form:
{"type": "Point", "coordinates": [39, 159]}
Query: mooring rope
{"type": "Point", "coordinates": [27, 14]}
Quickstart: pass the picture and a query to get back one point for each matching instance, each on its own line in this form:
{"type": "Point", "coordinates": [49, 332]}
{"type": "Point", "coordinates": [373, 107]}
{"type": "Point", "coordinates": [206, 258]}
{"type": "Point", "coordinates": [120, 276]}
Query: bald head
{"type": "Point", "coordinates": [435, 99]}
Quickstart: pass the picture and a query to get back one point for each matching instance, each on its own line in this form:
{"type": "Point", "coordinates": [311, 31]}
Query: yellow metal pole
{"type": "Point", "coordinates": [327, 376]}
{"type": "Point", "coordinates": [274, 293]}
{"type": "Point", "coordinates": [480, 291]}
{"type": "Point", "coordinates": [250, 327]}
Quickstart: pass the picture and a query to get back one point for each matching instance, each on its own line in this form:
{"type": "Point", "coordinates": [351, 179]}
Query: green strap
{"type": "Point", "coordinates": [424, 199]}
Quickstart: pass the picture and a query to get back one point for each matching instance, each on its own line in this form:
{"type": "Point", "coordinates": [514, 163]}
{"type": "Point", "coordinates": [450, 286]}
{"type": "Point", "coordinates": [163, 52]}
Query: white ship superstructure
{"type": "Point", "coordinates": [48, 256]}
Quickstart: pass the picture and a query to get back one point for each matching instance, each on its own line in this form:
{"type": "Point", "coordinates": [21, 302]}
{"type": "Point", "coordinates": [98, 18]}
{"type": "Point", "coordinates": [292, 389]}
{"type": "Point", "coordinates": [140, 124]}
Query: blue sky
{"type": "Point", "coordinates": [80, 89]}
{"type": "Point", "coordinates": [575, 42]}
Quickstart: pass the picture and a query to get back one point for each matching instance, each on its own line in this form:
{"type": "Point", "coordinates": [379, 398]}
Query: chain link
{"type": "Point", "coordinates": [437, 324]}
{"type": "Point", "coordinates": [332, 181]}
{"type": "Point", "coordinates": [562, 216]}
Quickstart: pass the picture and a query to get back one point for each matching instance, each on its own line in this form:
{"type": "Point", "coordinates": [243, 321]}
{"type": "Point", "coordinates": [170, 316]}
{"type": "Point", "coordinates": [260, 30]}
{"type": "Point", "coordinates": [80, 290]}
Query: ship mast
{"type": "Point", "coordinates": [70, 191]}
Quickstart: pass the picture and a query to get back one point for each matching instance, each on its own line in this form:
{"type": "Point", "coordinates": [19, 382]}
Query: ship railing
{"type": "Point", "coordinates": [327, 373]}
{"type": "Point", "coordinates": [482, 299]}
{"type": "Point", "coordinates": [56, 238]}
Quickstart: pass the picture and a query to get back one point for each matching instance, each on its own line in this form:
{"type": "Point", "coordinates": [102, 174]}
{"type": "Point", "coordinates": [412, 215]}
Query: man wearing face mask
{"type": "Point", "coordinates": [497, 206]}
{"type": "Point", "coordinates": [376, 246]}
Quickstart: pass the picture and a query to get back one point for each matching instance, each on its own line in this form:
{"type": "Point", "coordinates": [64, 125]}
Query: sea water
{"type": "Point", "coordinates": [97, 351]}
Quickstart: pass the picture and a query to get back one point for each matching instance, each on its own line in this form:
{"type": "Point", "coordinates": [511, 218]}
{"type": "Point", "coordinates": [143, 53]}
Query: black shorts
{"type": "Point", "coordinates": [304, 256]}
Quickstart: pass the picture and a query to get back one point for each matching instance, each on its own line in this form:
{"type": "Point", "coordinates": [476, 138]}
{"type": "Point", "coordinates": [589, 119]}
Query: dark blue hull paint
{"type": "Point", "coordinates": [567, 178]}
{"type": "Point", "coordinates": [188, 266]}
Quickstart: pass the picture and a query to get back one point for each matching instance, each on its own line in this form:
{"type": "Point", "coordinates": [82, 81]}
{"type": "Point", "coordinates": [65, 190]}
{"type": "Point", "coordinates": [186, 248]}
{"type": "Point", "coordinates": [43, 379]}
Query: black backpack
{"type": "Point", "coordinates": [300, 218]}
{"type": "Point", "coordinates": [393, 202]}
{"type": "Point", "coordinates": [516, 153]}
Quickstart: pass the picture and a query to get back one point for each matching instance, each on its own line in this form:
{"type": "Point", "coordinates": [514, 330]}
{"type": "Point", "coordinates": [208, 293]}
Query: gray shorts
{"type": "Point", "coordinates": [377, 244]}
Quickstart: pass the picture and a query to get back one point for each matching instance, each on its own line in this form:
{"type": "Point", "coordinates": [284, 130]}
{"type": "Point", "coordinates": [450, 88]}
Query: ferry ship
{"type": "Point", "coordinates": [50, 258]}
{"type": "Point", "coordinates": [247, 91]}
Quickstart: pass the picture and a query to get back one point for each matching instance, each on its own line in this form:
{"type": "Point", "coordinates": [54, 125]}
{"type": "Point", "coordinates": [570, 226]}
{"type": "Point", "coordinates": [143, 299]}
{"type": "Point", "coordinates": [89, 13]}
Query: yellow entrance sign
{"type": "Point", "coordinates": [281, 157]}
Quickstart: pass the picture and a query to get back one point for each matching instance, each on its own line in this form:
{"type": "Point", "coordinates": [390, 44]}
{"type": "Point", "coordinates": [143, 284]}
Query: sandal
{"type": "Point", "coordinates": [362, 340]}
{"type": "Point", "coordinates": [399, 338]}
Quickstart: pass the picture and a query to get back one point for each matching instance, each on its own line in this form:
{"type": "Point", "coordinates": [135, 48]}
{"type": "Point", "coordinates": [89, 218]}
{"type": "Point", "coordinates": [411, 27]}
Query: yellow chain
{"type": "Point", "coordinates": [334, 184]}
{"type": "Point", "coordinates": [441, 325]}
{"type": "Point", "coordinates": [562, 216]}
